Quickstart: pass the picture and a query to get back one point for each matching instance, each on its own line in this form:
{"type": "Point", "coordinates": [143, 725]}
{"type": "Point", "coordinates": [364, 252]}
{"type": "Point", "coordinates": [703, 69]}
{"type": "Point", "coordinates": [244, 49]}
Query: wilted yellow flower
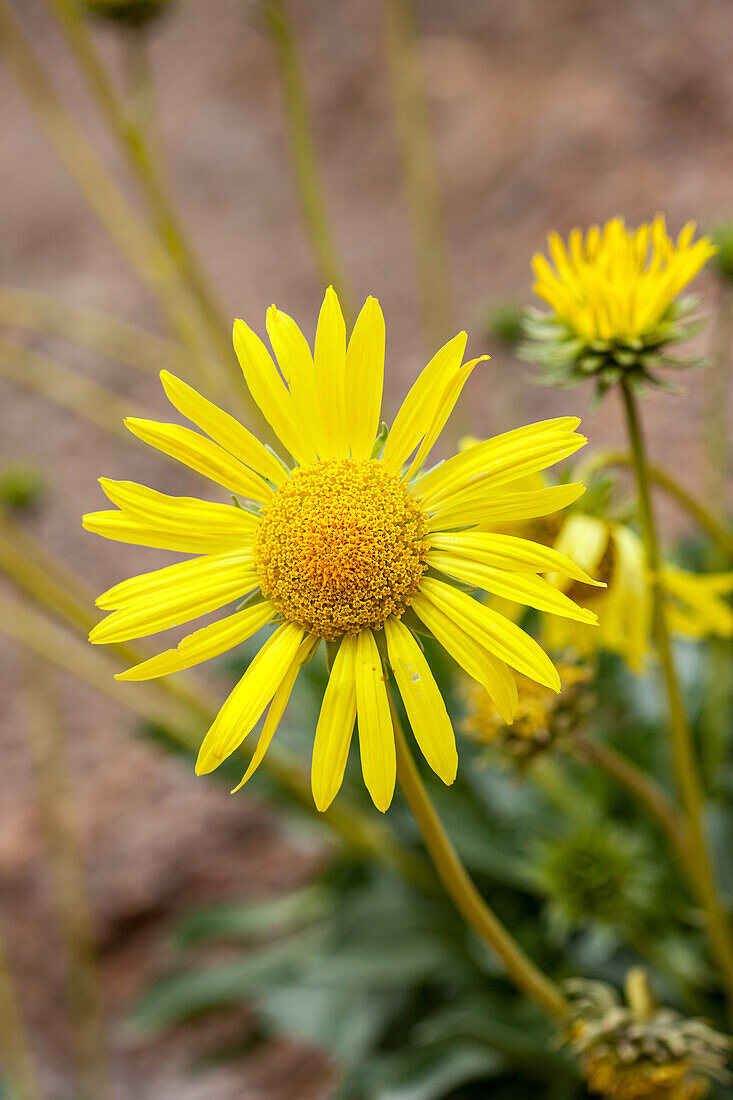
{"type": "Point", "coordinates": [638, 1051]}
{"type": "Point", "coordinates": [615, 302]}
{"type": "Point", "coordinates": [340, 545]}
{"type": "Point", "coordinates": [541, 720]}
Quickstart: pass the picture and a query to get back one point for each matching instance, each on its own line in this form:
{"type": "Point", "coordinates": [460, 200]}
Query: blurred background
{"type": "Point", "coordinates": [543, 114]}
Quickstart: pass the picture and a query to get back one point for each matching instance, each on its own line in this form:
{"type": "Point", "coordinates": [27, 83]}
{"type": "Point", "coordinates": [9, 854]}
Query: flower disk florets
{"type": "Point", "coordinates": [342, 546]}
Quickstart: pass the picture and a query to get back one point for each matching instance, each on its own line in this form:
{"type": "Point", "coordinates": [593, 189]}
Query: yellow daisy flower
{"type": "Point", "coordinates": [340, 545]}
{"type": "Point", "coordinates": [615, 303]}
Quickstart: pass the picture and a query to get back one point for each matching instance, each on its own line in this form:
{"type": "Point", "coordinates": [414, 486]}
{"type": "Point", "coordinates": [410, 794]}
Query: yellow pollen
{"type": "Point", "coordinates": [342, 546]}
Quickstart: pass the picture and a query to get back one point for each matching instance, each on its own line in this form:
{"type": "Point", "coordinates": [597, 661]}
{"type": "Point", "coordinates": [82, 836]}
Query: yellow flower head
{"type": "Point", "coordinates": [338, 543]}
{"type": "Point", "coordinates": [639, 1051]}
{"type": "Point", "coordinates": [615, 303]}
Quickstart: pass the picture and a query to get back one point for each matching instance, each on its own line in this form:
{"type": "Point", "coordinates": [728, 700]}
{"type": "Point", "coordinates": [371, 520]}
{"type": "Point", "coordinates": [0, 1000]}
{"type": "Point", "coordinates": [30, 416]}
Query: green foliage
{"type": "Point", "coordinates": [22, 486]}
{"type": "Point", "coordinates": [722, 261]}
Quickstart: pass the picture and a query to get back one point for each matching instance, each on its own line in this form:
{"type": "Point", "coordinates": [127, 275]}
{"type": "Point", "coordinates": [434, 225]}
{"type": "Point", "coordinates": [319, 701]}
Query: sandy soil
{"type": "Point", "coordinates": [546, 114]}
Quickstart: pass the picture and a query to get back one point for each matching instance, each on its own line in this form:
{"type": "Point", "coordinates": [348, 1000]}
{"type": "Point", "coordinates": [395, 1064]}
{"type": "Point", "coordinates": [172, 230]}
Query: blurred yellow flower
{"type": "Point", "coordinates": [339, 546]}
{"type": "Point", "coordinates": [618, 283]}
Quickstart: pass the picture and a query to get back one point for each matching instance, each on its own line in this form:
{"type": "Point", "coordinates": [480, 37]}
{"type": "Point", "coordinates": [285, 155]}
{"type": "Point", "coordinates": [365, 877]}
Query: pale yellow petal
{"type": "Point", "coordinates": [335, 726]}
{"type": "Point", "coordinates": [210, 641]}
{"type": "Point", "coordinates": [510, 552]}
{"type": "Point", "coordinates": [276, 709]}
{"type": "Point", "coordinates": [376, 732]}
{"type": "Point", "coordinates": [476, 507]}
{"type": "Point", "coordinates": [501, 637]}
{"type": "Point", "coordinates": [423, 702]}
{"type": "Point", "coordinates": [583, 539]}
{"type": "Point", "coordinates": [223, 429]}
{"type": "Point", "coordinates": [270, 392]}
{"type": "Point", "coordinates": [422, 402]}
{"type": "Point", "coordinates": [243, 708]}
{"type": "Point", "coordinates": [201, 454]}
{"type": "Point", "coordinates": [365, 379]}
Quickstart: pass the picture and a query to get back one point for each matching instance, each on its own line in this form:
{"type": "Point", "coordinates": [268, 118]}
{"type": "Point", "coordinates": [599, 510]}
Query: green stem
{"type": "Point", "coordinates": [461, 889]}
{"type": "Point", "coordinates": [683, 752]}
{"type": "Point", "coordinates": [15, 1049]}
{"type": "Point", "coordinates": [68, 877]}
{"type": "Point", "coordinates": [149, 260]}
{"type": "Point", "coordinates": [303, 150]}
{"type": "Point", "coordinates": [413, 128]}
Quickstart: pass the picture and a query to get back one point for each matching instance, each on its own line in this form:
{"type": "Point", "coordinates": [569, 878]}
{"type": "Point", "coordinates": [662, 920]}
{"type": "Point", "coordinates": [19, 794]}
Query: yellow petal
{"type": "Point", "coordinates": [376, 733]}
{"type": "Point", "coordinates": [469, 652]}
{"type": "Point", "coordinates": [277, 708]}
{"type": "Point", "coordinates": [296, 364]}
{"type": "Point", "coordinates": [422, 402]}
{"type": "Point", "coordinates": [270, 392]}
{"type": "Point", "coordinates": [476, 507]}
{"type": "Point", "coordinates": [511, 553]}
{"type": "Point", "coordinates": [329, 358]}
{"type": "Point", "coordinates": [335, 726]}
{"type": "Point", "coordinates": [501, 637]}
{"type": "Point", "coordinates": [424, 704]}
{"type": "Point", "coordinates": [209, 569]}
{"type": "Point", "coordinates": [200, 454]}
{"type": "Point", "coordinates": [583, 539]}
{"type": "Point", "coordinates": [501, 460]}
{"type": "Point", "coordinates": [203, 644]}
{"type": "Point", "coordinates": [245, 704]}
{"type": "Point", "coordinates": [122, 528]}
{"type": "Point", "coordinates": [445, 407]}
{"type": "Point", "coordinates": [218, 522]}
{"type": "Point", "coordinates": [365, 379]}
{"type": "Point", "coordinates": [222, 428]}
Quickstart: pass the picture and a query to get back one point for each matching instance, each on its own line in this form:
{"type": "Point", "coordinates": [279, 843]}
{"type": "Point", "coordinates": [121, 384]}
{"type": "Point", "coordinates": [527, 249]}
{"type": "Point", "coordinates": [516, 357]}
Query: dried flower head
{"type": "Point", "coordinates": [637, 1050]}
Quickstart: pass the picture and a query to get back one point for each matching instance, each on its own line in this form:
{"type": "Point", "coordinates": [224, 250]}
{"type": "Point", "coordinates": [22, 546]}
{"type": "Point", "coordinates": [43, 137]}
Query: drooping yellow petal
{"type": "Point", "coordinates": [220, 523]}
{"type": "Point", "coordinates": [583, 539]}
{"type": "Point", "coordinates": [335, 726]}
{"type": "Point", "coordinates": [270, 392]}
{"type": "Point", "coordinates": [376, 732]}
{"type": "Point", "coordinates": [524, 588]}
{"type": "Point", "coordinates": [123, 528]}
{"type": "Point", "coordinates": [468, 650]}
{"type": "Point", "coordinates": [475, 507]}
{"type": "Point", "coordinates": [501, 637]}
{"type": "Point", "coordinates": [223, 429]}
{"type": "Point", "coordinates": [499, 461]}
{"type": "Point", "coordinates": [201, 454]}
{"type": "Point", "coordinates": [511, 553]}
{"type": "Point", "coordinates": [247, 701]}
{"type": "Point", "coordinates": [424, 704]}
{"type": "Point", "coordinates": [365, 379]}
{"type": "Point", "coordinates": [421, 404]}
{"type": "Point", "coordinates": [329, 358]}
{"type": "Point", "coordinates": [276, 710]}
{"type": "Point", "coordinates": [210, 641]}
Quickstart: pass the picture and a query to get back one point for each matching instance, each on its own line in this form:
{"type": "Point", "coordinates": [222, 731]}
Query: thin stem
{"type": "Point", "coordinates": [68, 878]}
{"type": "Point", "coordinates": [64, 387]}
{"type": "Point", "coordinates": [683, 752]}
{"type": "Point", "coordinates": [99, 332]}
{"type": "Point", "coordinates": [670, 484]}
{"type": "Point", "coordinates": [131, 135]}
{"type": "Point", "coordinates": [149, 260]}
{"type": "Point", "coordinates": [641, 786]}
{"type": "Point", "coordinates": [413, 128]}
{"type": "Point", "coordinates": [15, 1047]}
{"type": "Point", "coordinates": [461, 889]}
{"type": "Point", "coordinates": [303, 150]}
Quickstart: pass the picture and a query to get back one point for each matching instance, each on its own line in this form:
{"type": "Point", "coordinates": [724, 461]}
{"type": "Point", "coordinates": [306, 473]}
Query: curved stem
{"type": "Point", "coordinates": [669, 483]}
{"type": "Point", "coordinates": [303, 150]}
{"type": "Point", "coordinates": [683, 752]}
{"type": "Point", "coordinates": [641, 786]}
{"type": "Point", "coordinates": [461, 889]}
